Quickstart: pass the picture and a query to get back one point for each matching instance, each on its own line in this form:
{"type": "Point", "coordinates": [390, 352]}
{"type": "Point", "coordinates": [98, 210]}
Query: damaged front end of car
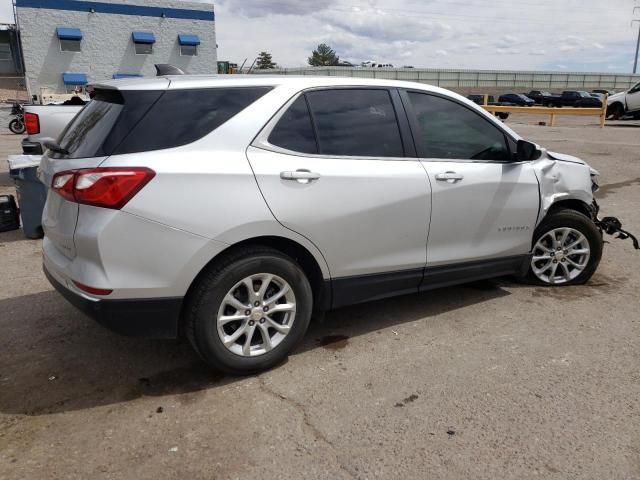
{"type": "Point", "coordinates": [565, 178]}
{"type": "Point", "coordinates": [609, 225]}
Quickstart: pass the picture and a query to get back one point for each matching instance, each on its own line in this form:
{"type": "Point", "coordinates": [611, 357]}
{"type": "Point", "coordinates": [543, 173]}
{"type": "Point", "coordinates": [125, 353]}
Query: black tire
{"type": "Point", "coordinates": [581, 223]}
{"type": "Point", "coordinates": [502, 115]}
{"type": "Point", "coordinates": [615, 111]}
{"type": "Point", "coordinates": [16, 126]}
{"type": "Point", "coordinates": [206, 297]}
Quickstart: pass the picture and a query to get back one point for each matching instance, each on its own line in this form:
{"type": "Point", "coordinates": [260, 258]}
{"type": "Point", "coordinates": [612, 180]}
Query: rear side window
{"type": "Point", "coordinates": [356, 122]}
{"type": "Point", "coordinates": [294, 130]}
{"type": "Point", "coordinates": [184, 116]}
{"type": "Point", "coordinates": [118, 122]}
{"type": "Point", "coordinates": [448, 130]}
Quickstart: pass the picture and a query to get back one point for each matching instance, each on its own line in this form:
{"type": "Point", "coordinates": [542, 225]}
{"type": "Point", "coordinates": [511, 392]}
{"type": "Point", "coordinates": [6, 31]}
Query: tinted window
{"type": "Point", "coordinates": [117, 122]}
{"type": "Point", "coordinates": [356, 122]}
{"type": "Point", "coordinates": [447, 129]}
{"type": "Point", "coordinates": [294, 130]}
{"type": "Point", "coordinates": [69, 45]}
{"type": "Point", "coordinates": [86, 133]}
{"type": "Point", "coordinates": [183, 116]}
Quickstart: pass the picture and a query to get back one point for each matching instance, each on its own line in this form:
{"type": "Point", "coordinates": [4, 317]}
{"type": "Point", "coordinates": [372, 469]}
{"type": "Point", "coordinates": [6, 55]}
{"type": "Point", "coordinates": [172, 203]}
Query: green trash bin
{"type": "Point", "coordinates": [30, 191]}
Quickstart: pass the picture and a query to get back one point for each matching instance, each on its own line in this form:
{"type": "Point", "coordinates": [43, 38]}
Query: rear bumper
{"type": "Point", "coordinates": [150, 318]}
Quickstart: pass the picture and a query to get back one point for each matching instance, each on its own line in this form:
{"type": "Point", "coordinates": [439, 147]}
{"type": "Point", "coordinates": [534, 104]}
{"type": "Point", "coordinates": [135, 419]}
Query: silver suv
{"type": "Point", "coordinates": [231, 209]}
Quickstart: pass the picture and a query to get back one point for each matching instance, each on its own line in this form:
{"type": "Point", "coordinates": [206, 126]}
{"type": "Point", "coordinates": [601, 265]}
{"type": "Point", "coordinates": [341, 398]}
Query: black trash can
{"type": "Point", "coordinates": [31, 193]}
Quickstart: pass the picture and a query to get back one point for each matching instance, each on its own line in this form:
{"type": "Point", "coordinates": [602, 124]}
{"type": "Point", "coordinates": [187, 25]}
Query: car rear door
{"type": "Point", "coordinates": [484, 205]}
{"type": "Point", "coordinates": [337, 166]}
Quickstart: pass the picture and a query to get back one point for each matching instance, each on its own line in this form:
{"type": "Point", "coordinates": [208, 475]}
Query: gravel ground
{"type": "Point", "coordinates": [492, 380]}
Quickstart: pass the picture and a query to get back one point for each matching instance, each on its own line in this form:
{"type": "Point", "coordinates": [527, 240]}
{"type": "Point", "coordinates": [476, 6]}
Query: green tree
{"type": "Point", "coordinates": [265, 61]}
{"type": "Point", "coordinates": [323, 56]}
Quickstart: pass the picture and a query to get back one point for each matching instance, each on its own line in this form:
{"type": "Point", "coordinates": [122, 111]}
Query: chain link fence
{"type": "Point", "coordinates": [458, 79]}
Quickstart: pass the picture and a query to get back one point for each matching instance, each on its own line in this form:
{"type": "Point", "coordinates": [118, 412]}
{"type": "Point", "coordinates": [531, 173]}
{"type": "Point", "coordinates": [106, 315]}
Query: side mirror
{"type": "Point", "coordinates": [527, 151]}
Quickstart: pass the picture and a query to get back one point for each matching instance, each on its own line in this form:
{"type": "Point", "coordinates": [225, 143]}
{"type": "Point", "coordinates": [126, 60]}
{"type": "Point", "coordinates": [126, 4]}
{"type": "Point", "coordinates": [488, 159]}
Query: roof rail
{"type": "Point", "coordinates": [167, 69]}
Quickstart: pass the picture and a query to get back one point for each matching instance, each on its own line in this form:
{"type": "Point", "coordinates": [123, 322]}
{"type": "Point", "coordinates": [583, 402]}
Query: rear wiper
{"type": "Point", "coordinates": [54, 147]}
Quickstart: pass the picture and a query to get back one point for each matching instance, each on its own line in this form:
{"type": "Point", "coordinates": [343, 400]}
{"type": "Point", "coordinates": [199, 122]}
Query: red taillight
{"type": "Point", "coordinates": [32, 123]}
{"type": "Point", "coordinates": [109, 187]}
{"type": "Point", "coordinates": [92, 290]}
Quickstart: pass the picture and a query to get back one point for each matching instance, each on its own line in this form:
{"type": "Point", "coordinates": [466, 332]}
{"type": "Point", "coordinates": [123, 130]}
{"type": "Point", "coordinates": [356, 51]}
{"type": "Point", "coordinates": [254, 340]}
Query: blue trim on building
{"type": "Point", "coordinates": [118, 9]}
{"type": "Point", "coordinates": [188, 39]}
{"type": "Point", "coordinates": [126, 75]}
{"type": "Point", "coordinates": [74, 78]}
{"type": "Point", "coordinates": [67, 33]}
{"type": "Point", "coordinates": [143, 37]}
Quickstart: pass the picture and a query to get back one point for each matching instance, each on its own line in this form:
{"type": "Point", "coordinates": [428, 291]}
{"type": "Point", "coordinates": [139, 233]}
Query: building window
{"type": "Point", "coordinates": [70, 39]}
{"type": "Point", "coordinates": [188, 45]}
{"type": "Point", "coordinates": [189, 50]}
{"type": "Point", "coordinates": [5, 52]}
{"type": "Point", "coordinates": [74, 82]}
{"type": "Point", "coordinates": [143, 42]}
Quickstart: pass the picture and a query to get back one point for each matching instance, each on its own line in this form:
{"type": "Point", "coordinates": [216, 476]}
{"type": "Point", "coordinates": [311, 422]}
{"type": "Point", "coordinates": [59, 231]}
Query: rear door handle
{"type": "Point", "coordinates": [450, 177]}
{"type": "Point", "coordinates": [301, 175]}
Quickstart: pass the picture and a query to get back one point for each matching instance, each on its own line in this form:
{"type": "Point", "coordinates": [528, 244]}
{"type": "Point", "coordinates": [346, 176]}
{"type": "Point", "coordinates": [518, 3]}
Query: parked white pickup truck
{"type": "Point", "coordinates": [45, 121]}
{"type": "Point", "coordinates": [624, 103]}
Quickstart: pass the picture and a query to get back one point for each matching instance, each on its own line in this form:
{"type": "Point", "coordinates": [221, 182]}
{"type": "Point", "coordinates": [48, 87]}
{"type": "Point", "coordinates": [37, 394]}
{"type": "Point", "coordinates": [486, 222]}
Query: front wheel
{"type": "Point", "coordinates": [16, 126]}
{"type": "Point", "coordinates": [615, 111]}
{"type": "Point", "coordinates": [567, 247]}
{"type": "Point", "coordinates": [247, 312]}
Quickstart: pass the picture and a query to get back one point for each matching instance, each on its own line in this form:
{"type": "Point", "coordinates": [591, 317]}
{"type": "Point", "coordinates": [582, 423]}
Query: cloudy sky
{"type": "Point", "coordinates": [583, 35]}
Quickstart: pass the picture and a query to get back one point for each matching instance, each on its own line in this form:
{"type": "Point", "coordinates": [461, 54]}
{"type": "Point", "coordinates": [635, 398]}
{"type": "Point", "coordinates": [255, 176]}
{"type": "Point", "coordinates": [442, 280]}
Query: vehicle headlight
{"type": "Point", "coordinates": [594, 179]}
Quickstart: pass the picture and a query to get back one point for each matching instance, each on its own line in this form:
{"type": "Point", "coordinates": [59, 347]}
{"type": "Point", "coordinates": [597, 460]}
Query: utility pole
{"type": "Point", "coordinates": [635, 59]}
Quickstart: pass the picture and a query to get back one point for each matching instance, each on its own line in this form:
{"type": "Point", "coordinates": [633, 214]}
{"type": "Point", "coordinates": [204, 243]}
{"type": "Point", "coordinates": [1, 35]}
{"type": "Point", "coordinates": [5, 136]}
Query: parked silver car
{"type": "Point", "coordinates": [230, 209]}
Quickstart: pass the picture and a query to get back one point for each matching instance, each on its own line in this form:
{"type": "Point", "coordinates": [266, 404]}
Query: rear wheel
{"type": "Point", "coordinates": [567, 248]}
{"type": "Point", "coordinates": [248, 312]}
{"type": "Point", "coordinates": [16, 126]}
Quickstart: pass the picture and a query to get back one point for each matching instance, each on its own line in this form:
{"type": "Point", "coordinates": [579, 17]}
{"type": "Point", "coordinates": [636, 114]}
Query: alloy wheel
{"type": "Point", "coordinates": [256, 315]}
{"type": "Point", "coordinates": [560, 255]}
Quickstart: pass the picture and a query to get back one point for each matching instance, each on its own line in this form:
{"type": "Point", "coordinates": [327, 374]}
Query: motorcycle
{"type": "Point", "coordinates": [17, 124]}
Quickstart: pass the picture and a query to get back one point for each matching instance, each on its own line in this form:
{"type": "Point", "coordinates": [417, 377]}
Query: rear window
{"type": "Point", "coordinates": [118, 122]}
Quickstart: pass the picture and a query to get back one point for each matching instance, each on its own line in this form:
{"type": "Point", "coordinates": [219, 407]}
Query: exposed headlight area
{"type": "Point", "coordinates": [595, 175]}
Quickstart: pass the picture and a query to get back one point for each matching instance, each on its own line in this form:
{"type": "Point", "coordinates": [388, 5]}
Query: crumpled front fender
{"type": "Point", "coordinates": [562, 179]}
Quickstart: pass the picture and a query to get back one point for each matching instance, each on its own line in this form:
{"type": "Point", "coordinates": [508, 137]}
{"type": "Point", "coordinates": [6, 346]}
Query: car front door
{"type": "Point", "coordinates": [338, 167]}
{"type": "Point", "coordinates": [633, 98]}
{"type": "Point", "coordinates": [484, 204]}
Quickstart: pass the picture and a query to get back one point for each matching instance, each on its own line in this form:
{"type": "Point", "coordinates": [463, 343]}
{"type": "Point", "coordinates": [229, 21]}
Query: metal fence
{"type": "Point", "coordinates": [454, 78]}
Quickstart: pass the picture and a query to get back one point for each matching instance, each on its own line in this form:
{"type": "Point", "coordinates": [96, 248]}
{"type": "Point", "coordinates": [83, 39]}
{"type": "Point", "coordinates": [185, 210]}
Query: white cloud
{"type": "Point", "coordinates": [502, 34]}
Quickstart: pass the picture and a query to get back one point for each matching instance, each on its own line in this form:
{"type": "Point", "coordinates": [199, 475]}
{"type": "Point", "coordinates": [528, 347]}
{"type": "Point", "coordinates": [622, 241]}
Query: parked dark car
{"type": "Point", "coordinates": [479, 99]}
{"type": "Point", "coordinates": [518, 98]}
{"type": "Point", "coordinates": [603, 91]}
{"type": "Point", "coordinates": [574, 98]}
{"type": "Point", "coordinates": [538, 96]}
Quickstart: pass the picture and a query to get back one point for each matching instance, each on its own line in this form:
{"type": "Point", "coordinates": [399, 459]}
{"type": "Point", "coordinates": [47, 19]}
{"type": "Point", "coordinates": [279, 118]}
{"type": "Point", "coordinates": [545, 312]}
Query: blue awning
{"type": "Point", "coordinates": [74, 78]}
{"type": "Point", "coordinates": [143, 37]}
{"type": "Point", "coordinates": [188, 39]}
{"type": "Point", "coordinates": [126, 75]}
{"type": "Point", "coordinates": [65, 33]}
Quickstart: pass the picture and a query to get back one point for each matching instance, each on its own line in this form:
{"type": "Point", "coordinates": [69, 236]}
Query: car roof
{"type": "Point", "coordinates": [239, 80]}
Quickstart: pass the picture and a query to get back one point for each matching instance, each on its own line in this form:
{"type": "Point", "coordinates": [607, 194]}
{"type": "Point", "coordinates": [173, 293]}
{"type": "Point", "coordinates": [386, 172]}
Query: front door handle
{"type": "Point", "coordinates": [301, 175]}
{"type": "Point", "coordinates": [449, 177]}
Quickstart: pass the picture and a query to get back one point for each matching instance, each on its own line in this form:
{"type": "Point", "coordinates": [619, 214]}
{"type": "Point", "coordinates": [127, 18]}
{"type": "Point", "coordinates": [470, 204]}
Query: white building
{"type": "Point", "coordinates": [68, 43]}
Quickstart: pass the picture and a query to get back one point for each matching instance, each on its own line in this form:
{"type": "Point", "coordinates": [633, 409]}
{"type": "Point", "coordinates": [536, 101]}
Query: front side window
{"type": "Point", "coordinates": [448, 130]}
{"type": "Point", "coordinates": [294, 130]}
{"type": "Point", "coordinates": [355, 122]}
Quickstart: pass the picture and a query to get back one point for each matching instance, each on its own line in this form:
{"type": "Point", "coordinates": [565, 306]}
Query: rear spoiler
{"type": "Point", "coordinates": [167, 69]}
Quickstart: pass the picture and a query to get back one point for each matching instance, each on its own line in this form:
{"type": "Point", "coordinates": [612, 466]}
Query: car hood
{"type": "Point", "coordinates": [616, 97]}
{"type": "Point", "coordinates": [565, 158]}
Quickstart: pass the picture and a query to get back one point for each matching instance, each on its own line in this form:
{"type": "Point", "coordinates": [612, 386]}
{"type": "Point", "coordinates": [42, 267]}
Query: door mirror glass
{"type": "Point", "coordinates": [527, 151]}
